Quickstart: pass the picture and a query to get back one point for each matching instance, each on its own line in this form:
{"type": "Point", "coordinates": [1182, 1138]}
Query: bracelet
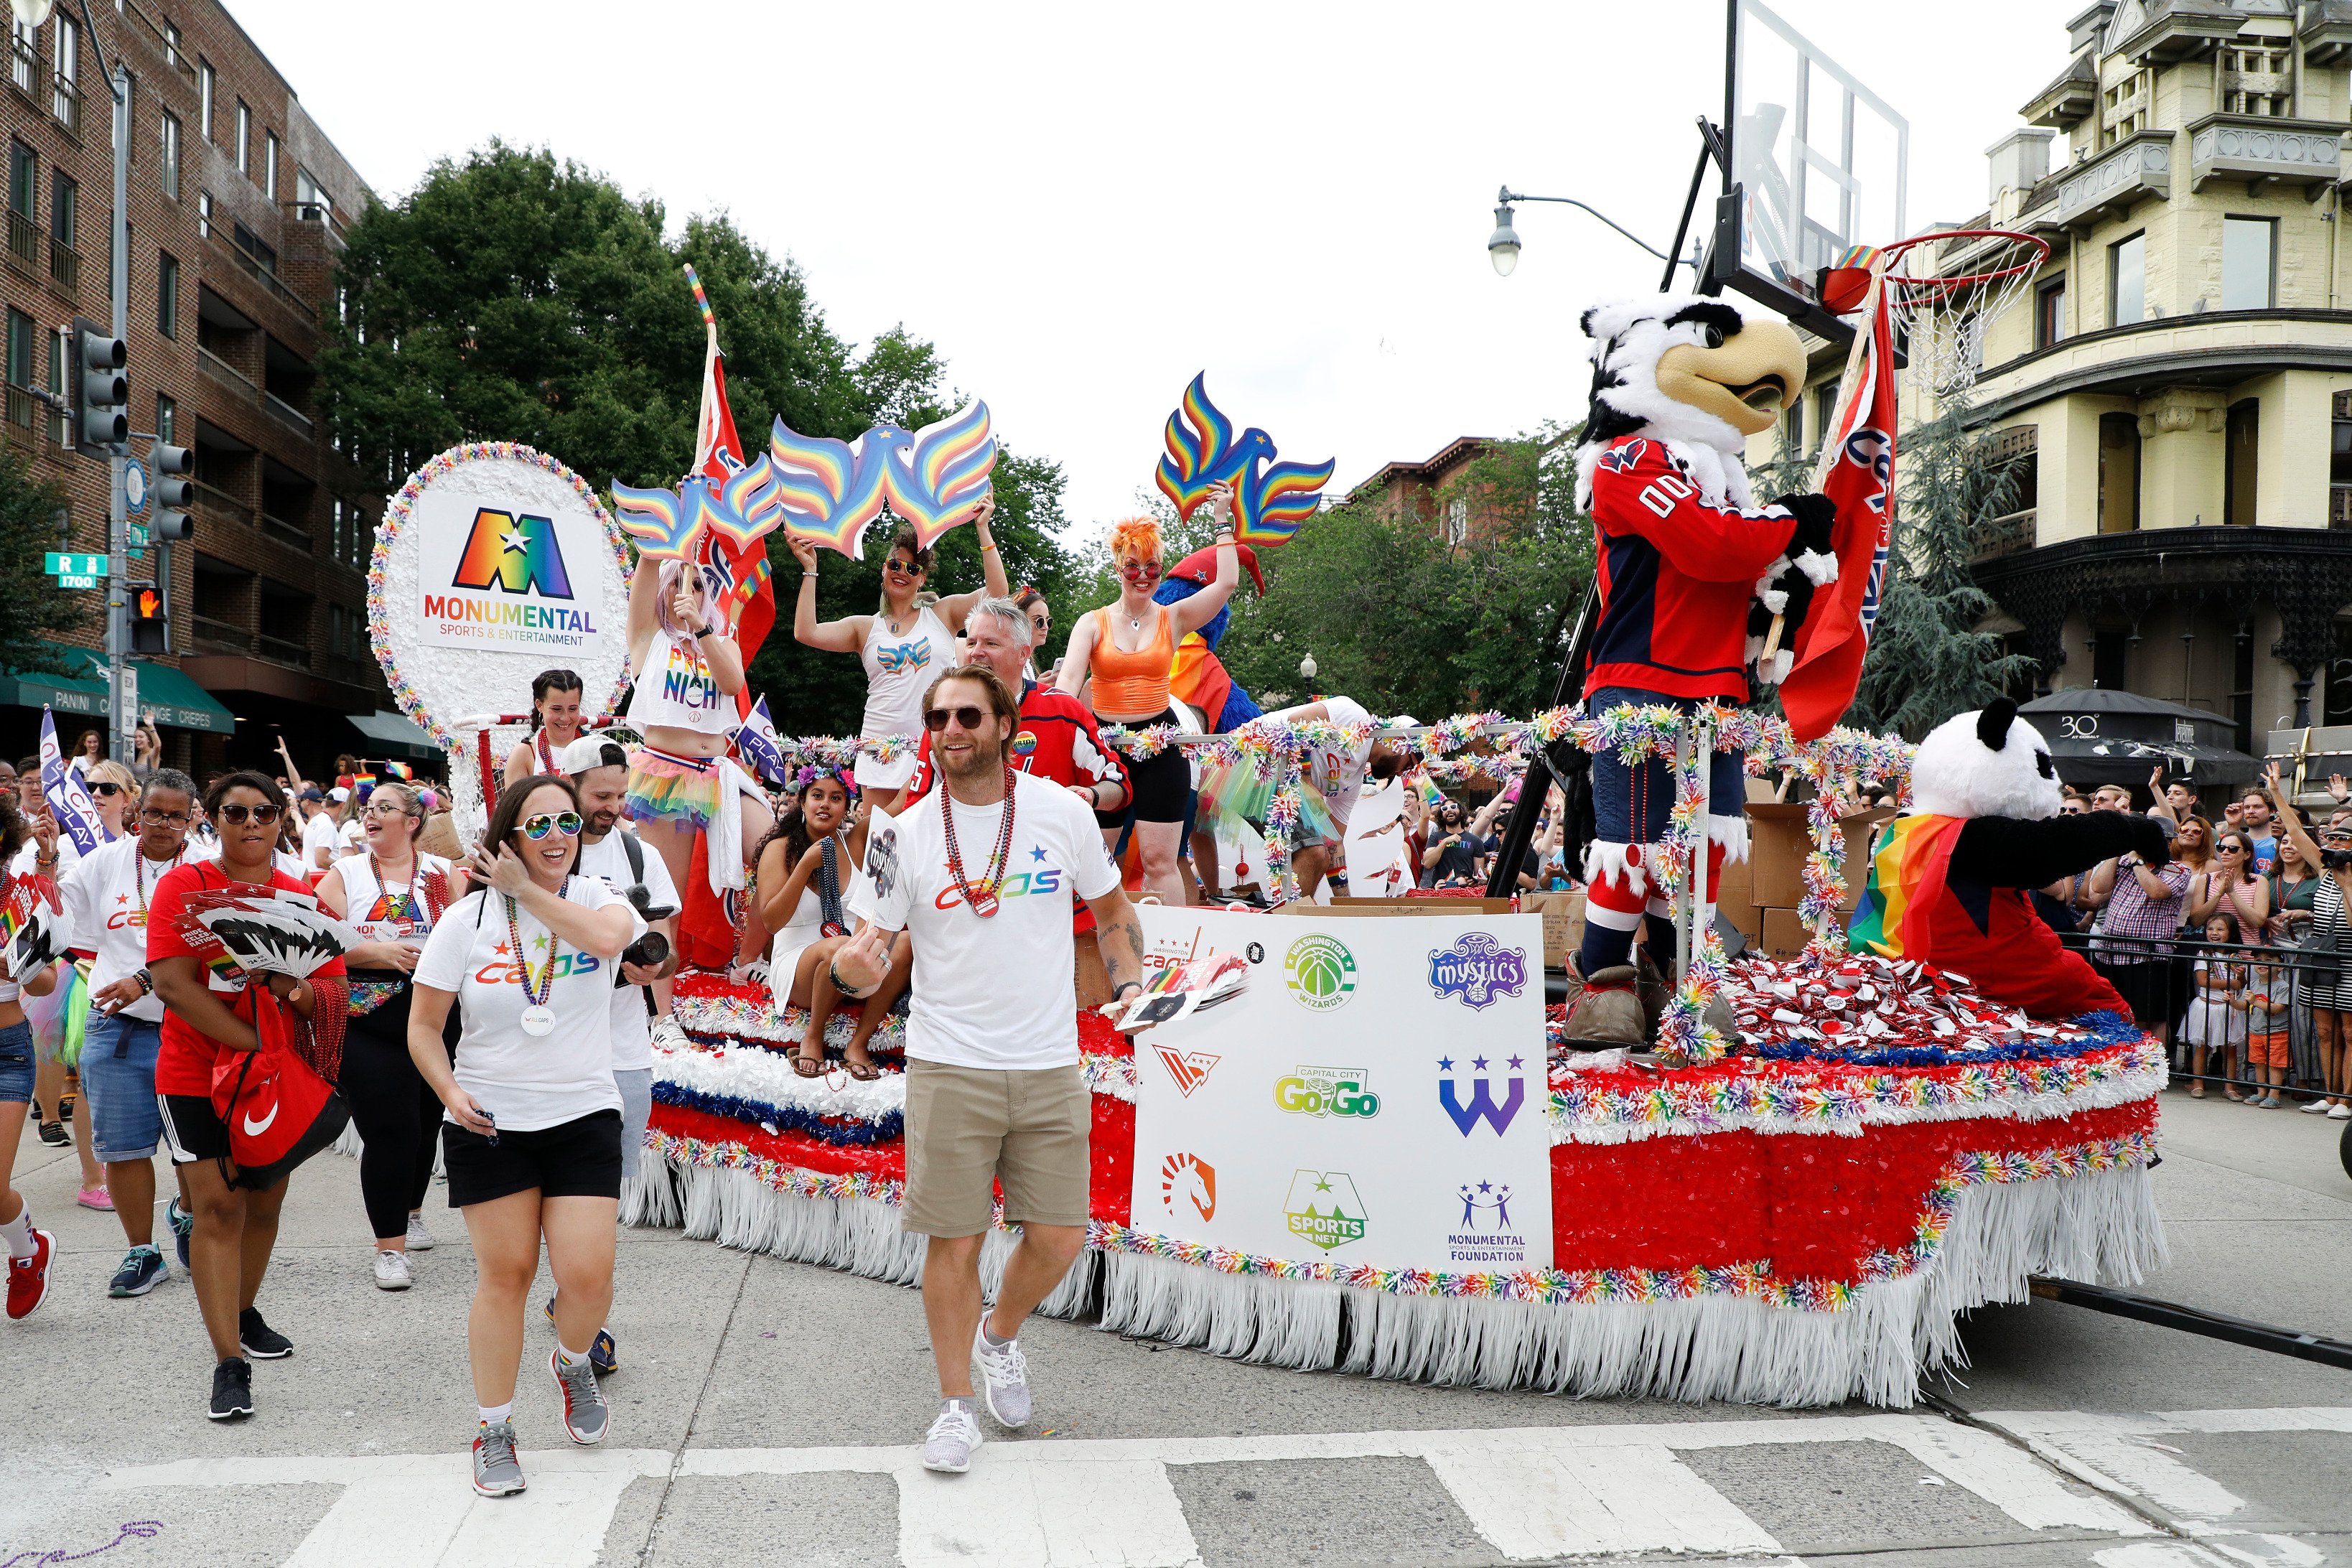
{"type": "Point", "coordinates": [701, 632]}
{"type": "Point", "coordinates": [146, 981]}
{"type": "Point", "coordinates": [1120, 989]}
{"type": "Point", "coordinates": [986, 548]}
{"type": "Point", "coordinates": [843, 986]}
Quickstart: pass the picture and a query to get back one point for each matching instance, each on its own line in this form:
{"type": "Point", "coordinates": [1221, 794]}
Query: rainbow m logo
{"type": "Point", "coordinates": [516, 555]}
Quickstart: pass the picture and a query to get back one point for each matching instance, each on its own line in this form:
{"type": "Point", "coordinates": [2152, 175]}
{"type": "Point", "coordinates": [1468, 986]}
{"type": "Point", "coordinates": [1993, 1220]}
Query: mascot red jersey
{"type": "Point", "coordinates": [1951, 880]}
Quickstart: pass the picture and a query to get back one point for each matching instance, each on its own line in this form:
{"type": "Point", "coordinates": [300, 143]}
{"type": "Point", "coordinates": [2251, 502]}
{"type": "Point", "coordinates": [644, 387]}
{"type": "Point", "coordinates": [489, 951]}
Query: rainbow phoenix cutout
{"type": "Point", "coordinates": [660, 521]}
{"type": "Point", "coordinates": [938, 477]}
{"type": "Point", "coordinates": [823, 491]}
{"type": "Point", "coordinates": [1270, 498]}
{"type": "Point", "coordinates": [748, 510]}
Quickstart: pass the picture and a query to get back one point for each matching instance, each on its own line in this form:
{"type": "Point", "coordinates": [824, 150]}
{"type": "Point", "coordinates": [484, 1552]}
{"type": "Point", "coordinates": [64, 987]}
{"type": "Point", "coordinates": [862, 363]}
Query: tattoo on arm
{"type": "Point", "coordinates": [1122, 949]}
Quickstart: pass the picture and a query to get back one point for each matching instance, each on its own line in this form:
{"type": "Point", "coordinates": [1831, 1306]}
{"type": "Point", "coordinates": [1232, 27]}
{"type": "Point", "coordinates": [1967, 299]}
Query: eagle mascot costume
{"type": "Point", "coordinates": [1690, 572]}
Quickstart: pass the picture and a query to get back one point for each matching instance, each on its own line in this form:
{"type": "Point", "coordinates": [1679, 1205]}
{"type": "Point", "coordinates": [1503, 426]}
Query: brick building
{"type": "Point", "coordinates": [1437, 491]}
{"type": "Point", "coordinates": [238, 203]}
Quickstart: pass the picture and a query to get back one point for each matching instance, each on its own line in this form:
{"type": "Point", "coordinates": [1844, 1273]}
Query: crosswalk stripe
{"type": "Point", "coordinates": [1541, 1502]}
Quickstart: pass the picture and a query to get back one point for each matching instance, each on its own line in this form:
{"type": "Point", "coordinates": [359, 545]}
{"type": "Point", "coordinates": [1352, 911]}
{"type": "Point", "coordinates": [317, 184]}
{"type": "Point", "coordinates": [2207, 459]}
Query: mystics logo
{"type": "Point", "coordinates": [1189, 1068]}
{"type": "Point", "coordinates": [1326, 1091]}
{"type": "Point", "coordinates": [1485, 1234]}
{"type": "Point", "coordinates": [1481, 1106]}
{"type": "Point", "coordinates": [1322, 972]}
{"type": "Point", "coordinates": [1479, 970]}
{"type": "Point", "coordinates": [501, 591]}
{"type": "Point", "coordinates": [1323, 1208]}
{"type": "Point", "coordinates": [1187, 1180]}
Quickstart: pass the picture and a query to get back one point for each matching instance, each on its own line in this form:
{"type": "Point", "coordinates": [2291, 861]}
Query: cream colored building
{"type": "Point", "coordinates": [2179, 378]}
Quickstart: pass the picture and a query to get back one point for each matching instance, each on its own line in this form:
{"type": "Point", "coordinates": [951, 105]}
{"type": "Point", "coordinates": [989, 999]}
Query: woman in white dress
{"type": "Point", "coordinates": [807, 869]}
{"type": "Point", "coordinates": [904, 646]}
{"type": "Point", "coordinates": [688, 670]}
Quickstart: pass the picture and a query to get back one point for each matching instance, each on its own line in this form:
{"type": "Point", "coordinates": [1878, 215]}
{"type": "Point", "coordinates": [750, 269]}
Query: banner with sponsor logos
{"type": "Point", "coordinates": [1374, 1094]}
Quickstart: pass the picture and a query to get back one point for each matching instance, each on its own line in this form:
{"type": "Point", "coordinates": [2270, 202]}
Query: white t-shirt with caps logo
{"type": "Point", "coordinates": [994, 992]}
{"type": "Point", "coordinates": [527, 1081]}
{"type": "Point", "coordinates": [105, 896]}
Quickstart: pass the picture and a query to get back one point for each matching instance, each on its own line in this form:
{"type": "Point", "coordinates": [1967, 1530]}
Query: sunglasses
{"type": "Point", "coordinates": [1139, 570]}
{"type": "Point", "coordinates": [1039, 621]}
{"type": "Point", "coordinates": [902, 568]}
{"type": "Point", "coordinates": [104, 790]}
{"type": "Point", "coordinates": [2229, 849]}
{"type": "Point", "coordinates": [237, 813]}
{"type": "Point", "coordinates": [968, 718]}
{"type": "Point", "coordinates": [567, 823]}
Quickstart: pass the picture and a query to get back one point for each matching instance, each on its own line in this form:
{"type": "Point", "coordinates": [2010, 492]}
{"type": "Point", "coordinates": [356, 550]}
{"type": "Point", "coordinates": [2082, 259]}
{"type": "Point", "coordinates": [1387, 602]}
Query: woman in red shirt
{"type": "Point", "coordinates": [207, 1018]}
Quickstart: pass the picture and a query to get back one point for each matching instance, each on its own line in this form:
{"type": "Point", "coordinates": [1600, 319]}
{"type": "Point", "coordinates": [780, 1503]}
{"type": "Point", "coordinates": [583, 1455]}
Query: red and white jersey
{"type": "Point", "coordinates": [1058, 739]}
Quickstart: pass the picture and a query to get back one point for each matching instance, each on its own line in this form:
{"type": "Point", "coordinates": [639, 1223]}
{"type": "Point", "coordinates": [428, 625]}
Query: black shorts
{"type": "Point", "coordinates": [1160, 787]}
{"type": "Point", "coordinates": [192, 1130]}
{"type": "Point", "coordinates": [576, 1159]}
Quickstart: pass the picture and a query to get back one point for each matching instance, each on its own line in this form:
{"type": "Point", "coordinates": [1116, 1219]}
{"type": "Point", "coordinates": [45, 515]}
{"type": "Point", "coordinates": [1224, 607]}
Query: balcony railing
{"type": "Point", "coordinates": [2138, 166]}
{"type": "Point", "coordinates": [286, 412]}
{"type": "Point", "coordinates": [213, 364]}
{"type": "Point", "coordinates": [267, 277]}
{"type": "Point", "coordinates": [24, 240]}
{"type": "Point", "coordinates": [2009, 535]}
{"type": "Point", "coordinates": [224, 633]}
{"type": "Point", "coordinates": [281, 651]}
{"type": "Point", "coordinates": [64, 268]}
{"type": "Point", "coordinates": [286, 532]}
{"type": "Point", "coordinates": [220, 503]}
{"type": "Point", "coordinates": [65, 102]}
{"type": "Point", "coordinates": [2339, 506]}
{"type": "Point", "coordinates": [2257, 147]}
{"type": "Point", "coordinates": [23, 65]}
{"type": "Point", "coordinates": [21, 408]}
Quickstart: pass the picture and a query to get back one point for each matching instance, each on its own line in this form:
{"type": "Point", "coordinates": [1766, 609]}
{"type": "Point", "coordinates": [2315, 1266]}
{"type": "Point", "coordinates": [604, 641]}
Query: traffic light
{"type": "Point", "coordinates": [103, 423]}
{"type": "Point", "coordinates": [172, 493]}
{"type": "Point", "coordinates": [148, 634]}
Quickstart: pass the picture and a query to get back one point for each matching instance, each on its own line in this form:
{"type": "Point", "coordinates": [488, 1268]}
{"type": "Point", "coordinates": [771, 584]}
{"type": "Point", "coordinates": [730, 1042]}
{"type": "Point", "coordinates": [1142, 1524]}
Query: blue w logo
{"type": "Point", "coordinates": [1481, 1106]}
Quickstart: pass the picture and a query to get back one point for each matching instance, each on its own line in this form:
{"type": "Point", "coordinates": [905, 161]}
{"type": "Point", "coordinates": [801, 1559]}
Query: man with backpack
{"type": "Point", "coordinates": [599, 770]}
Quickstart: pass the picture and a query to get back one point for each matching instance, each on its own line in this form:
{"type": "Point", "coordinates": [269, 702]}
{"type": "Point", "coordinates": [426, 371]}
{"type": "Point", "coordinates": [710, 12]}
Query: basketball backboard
{"type": "Point", "coordinates": [1821, 162]}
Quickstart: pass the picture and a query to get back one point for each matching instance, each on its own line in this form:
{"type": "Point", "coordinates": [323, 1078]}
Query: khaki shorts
{"type": "Point", "coordinates": [968, 1129]}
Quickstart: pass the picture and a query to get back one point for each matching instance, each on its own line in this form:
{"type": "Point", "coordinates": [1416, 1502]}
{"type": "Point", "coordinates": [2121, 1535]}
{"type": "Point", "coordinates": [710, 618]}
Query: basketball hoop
{"type": "Point", "coordinates": [1943, 317]}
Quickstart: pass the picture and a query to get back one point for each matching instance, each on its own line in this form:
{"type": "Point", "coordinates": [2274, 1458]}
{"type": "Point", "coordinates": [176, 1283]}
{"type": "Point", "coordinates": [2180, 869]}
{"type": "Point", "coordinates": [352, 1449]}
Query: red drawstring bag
{"type": "Point", "coordinates": [278, 1109]}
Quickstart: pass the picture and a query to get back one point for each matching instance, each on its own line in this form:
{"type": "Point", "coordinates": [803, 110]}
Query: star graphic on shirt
{"type": "Point", "coordinates": [1478, 1064]}
{"type": "Point", "coordinates": [539, 942]}
{"type": "Point", "coordinates": [121, 898]}
{"type": "Point", "coordinates": [501, 950]}
{"type": "Point", "coordinates": [513, 543]}
{"type": "Point", "coordinates": [1037, 853]}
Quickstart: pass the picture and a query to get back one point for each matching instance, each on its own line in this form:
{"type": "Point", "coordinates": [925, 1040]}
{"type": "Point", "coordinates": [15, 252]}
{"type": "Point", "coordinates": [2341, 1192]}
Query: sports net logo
{"type": "Point", "coordinates": [1323, 1208]}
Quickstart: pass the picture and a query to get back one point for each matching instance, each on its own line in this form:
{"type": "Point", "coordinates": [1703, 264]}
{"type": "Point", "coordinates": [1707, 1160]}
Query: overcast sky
{"type": "Point", "coordinates": [1084, 204]}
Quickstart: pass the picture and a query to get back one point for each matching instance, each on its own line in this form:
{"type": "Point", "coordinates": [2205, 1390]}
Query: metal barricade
{"type": "Point", "coordinates": [2213, 999]}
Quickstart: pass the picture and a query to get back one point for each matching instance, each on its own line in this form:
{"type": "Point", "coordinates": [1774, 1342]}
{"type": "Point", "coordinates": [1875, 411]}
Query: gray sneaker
{"type": "Point", "coordinates": [586, 1416]}
{"type": "Point", "coordinates": [1004, 1378]}
{"type": "Point", "coordinates": [497, 1473]}
{"type": "Point", "coordinates": [948, 1443]}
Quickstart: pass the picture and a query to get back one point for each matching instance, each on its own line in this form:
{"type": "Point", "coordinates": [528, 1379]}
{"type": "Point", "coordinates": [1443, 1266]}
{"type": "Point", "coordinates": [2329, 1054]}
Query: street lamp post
{"type": "Point", "coordinates": [1503, 245]}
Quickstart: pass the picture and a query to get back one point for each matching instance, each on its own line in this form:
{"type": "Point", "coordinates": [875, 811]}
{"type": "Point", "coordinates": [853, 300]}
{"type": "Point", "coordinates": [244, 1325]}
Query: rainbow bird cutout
{"type": "Point", "coordinates": [823, 491]}
{"type": "Point", "coordinates": [1272, 498]}
{"type": "Point", "coordinates": [938, 477]}
{"type": "Point", "coordinates": [662, 522]}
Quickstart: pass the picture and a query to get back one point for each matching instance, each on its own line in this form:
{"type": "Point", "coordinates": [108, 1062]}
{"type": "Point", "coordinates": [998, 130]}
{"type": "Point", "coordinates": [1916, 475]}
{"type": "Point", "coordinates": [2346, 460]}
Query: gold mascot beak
{"type": "Point", "coordinates": [1746, 382]}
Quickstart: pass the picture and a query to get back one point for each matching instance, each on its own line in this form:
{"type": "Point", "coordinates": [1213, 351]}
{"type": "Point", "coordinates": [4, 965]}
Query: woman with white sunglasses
{"type": "Point", "coordinates": [905, 646]}
{"type": "Point", "coordinates": [532, 1138]}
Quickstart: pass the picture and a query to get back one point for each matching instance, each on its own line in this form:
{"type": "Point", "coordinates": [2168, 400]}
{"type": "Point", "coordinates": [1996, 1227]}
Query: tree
{"type": "Point", "coordinates": [33, 609]}
{"type": "Point", "coordinates": [1928, 660]}
{"type": "Point", "coordinates": [514, 296]}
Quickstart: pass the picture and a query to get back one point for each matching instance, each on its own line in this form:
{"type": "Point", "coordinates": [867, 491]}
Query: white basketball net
{"type": "Point", "coordinates": [1943, 320]}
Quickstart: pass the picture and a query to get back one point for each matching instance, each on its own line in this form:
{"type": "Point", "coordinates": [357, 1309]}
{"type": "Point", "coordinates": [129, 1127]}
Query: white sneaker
{"type": "Point", "coordinates": [419, 1238]}
{"type": "Point", "coordinates": [2314, 1108]}
{"type": "Point", "coordinates": [948, 1443]}
{"type": "Point", "coordinates": [670, 1035]}
{"type": "Point", "coordinates": [392, 1270]}
{"type": "Point", "coordinates": [2339, 1111]}
{"type": "Point", "coordinates": [1004, 1378]}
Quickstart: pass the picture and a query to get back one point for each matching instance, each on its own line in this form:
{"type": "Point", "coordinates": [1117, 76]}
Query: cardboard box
{"type": "Point", "coordinates": [1784, 935]}
{"type": "Point", "coordinates": [1563, 923]}
{"type": "Point", "coordinates": [1778, 840]}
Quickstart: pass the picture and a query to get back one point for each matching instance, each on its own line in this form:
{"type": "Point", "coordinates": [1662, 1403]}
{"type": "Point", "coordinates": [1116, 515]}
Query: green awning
{"type": "Point", "coordinates": [397, 736]}
{"type": "Point", "coordinates": [175, 702]}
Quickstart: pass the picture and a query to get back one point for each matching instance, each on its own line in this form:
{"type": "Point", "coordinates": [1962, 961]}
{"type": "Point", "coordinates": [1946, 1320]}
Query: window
{"type": "Point", "coordinates": [168, 142]}
{"type": "Point", "coordinates": [205, 214]}
{"type": "Point", "coordinates": [2127, 281]}
{"type": "Point", "coordinates": [2118, 473]}
{"type": "Point", "coordinates": [244, 140]}
{"type": "Point", "coordinates": [2124, 109]}
{"type": "Point", "coordinates": [2246, 271]}
{"type": "Point", "coordinates": [2244, 441]}
{"type": "Point", "coordinates": [1824, 411]}
{"type": "Point", "coordinates": [20, 349]}
{"type": "Point", "coordinates": [64, 206]}
{"type": "Point", "coordinates": [1457, 521]}
{"type": "Point", "coordinates": [269, 164]}
{"type": "Point", "coordinates": [22, 178]}
{"type": "Point", "coordinates": [335, 529]}
{"type": "Point", "coordinates": [167, 420]}
{"type": "Point", "coordinates": [167, 294]}
{"type": "Point", "coordinates": [64, 102]}
{"type": "Point", "coordinates": [1792, 429]}
{"type": "Point", "coordinates": [24, 50]}
{"type": "Point", "coordinates": [206, 81]}
{"type": "Point", "coordinates": [172, 44]}
{"type": "Point", "coordinates": [307, 191]}
{"type": "Point", "coordinates": [2050, 313]}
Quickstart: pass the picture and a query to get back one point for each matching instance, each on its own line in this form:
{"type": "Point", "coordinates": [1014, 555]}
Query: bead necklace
{"type": "Point", "coordinates": [537, 1017]}
{"type": "Point", "coordinates": [980, 899]}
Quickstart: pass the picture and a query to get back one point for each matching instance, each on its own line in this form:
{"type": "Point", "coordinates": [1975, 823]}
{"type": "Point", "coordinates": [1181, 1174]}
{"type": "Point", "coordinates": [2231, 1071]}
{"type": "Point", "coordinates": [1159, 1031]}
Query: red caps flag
{"type": "Point", "coordinates": [1860, 458]}
{"type": "Point", "coordinates": [751, 598]}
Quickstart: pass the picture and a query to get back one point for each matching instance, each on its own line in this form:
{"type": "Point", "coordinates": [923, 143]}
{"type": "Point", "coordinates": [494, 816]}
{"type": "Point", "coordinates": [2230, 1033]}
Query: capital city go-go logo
{"type": "Point", "coordinates": [1321, 971]}
{"type": "Point", "coordinates": [1478, 969]}
{"type": "Point", "coordinates": [1323, 1208]}
{"type": "Point", "coordinates": [1326, 1091]}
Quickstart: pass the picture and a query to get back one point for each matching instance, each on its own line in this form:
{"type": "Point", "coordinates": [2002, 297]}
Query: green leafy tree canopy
{"type": "Point", "coordinates": [34, 610]}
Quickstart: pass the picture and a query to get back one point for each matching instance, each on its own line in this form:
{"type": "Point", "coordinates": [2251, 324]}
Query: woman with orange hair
{"type": "Point", "coordinates": [1126, 649]}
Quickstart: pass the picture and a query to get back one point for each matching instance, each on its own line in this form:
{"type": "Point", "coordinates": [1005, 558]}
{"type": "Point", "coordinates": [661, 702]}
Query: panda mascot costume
{"type": "Point", "coordinates": [1690, 572]}
{"type": "Point", "coordinates": [1951, 880]}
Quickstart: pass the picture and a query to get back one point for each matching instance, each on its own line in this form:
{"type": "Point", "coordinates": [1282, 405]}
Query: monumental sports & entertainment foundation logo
{"type": "Point", "coordinates": [511, 567]}
{"type": "Point", "coordinates": [1323, 1208]}
{"type": "Point", "coordinates": [1479, 970]}
{"type": "Point", "coordinates": [1481, 1106]}
{"type": "Point", "coordinates": [1326, 1091]}
{"type": "Point", "coordinates": [1485, 1236]}
{"type": "Point", "coordinates": [1321, 971]}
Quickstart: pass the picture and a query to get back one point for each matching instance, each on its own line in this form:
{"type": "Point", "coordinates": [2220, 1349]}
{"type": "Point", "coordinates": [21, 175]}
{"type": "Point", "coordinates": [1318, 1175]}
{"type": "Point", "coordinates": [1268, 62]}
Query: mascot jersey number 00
{"type": "Point", "coordinates": [1951, 879]}
{"type": "Point", "coordinates": [1690, 572]}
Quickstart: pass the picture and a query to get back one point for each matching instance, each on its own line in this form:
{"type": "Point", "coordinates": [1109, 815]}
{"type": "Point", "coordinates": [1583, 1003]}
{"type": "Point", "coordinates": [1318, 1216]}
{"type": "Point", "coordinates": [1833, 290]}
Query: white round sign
{"type": "Point", "coordinates": [494, 562]}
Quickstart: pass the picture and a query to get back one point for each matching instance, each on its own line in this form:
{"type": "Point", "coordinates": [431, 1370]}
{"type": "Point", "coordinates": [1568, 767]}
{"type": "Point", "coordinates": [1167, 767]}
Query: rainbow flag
{"type": "Point", "coordinates": [363, 781]}
{"type": "Point", "coordinates": [1913, 853]}
{"type": "Point", "coordinates": [400, 770]}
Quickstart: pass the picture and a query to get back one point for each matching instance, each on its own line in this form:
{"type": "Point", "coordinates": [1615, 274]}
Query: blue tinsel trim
{"type": "Point", "coordinates": [785, 1118]}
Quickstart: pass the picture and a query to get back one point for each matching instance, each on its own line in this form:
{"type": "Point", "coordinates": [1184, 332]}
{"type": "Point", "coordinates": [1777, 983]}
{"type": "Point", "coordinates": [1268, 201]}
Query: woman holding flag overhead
{"type": "Point", "coordinates": [688, 671]}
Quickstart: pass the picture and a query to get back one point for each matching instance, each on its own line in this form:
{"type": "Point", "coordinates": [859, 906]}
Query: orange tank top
{"type": "Point", "coordinates": [1131, 684]}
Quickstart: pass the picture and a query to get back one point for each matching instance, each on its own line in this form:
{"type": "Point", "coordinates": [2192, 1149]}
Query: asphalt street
{"type": "Point", "coordinates": [768, 1412]}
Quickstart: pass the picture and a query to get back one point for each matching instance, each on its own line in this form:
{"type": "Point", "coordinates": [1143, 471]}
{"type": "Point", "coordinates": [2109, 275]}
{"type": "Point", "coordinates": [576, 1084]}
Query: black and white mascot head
{"type": "Point", "coordinates": [1987, 763]}
{"type": "Point", "coordinates": [1700, 378]}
